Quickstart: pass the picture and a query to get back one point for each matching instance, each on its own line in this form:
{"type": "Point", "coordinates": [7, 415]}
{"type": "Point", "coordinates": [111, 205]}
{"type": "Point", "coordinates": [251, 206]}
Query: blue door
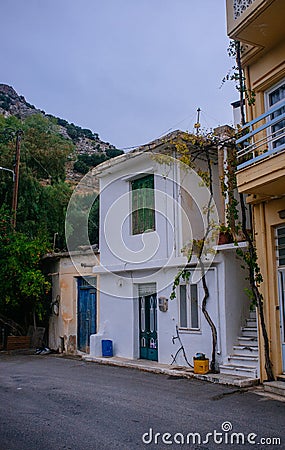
{"type": "Point", "coordinates": [86, 319]}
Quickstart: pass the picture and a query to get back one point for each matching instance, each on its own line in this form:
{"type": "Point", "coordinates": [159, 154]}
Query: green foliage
{"type": "Point", "coordinates": [5, 102]}
{"type": "Point", "coordinates": [92, 160]}
{"type": "Point", "coordinates": [75, 132]}
{"type": "Point", "coordinates": [113, 152]}
{"type": "Point", "coordinates": [85, 161]}
{"type": "Point", "coordinates": [81, 167]}
{"type": "Point", "coordinates": [78, 213]}
{"type": "Point", "coordinates": [236, 76]}
{"type": "Point", "coordinates": [24, 288]}
{"type": "Point", "coordinates": [44, 152]}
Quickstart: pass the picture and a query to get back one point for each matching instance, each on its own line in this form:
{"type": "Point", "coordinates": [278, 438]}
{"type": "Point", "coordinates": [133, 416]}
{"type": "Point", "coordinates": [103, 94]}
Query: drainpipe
{"type": "Point", "coordinates": [221, 171]}
{"type": "Point", "coordinates": [263, 239]}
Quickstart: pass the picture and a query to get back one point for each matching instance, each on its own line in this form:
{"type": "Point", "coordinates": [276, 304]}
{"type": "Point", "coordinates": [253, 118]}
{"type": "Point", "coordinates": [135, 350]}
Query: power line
{"type": "Point", "coordinates": [190, 117]}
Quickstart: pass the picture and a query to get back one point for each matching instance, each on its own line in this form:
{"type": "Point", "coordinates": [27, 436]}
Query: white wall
{"type": "Point", "coordinates": [119, 314]}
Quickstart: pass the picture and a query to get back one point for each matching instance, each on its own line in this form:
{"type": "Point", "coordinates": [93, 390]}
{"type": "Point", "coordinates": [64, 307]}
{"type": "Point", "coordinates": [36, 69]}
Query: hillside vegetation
{"type": "Point", "coordinates": [54, 157]}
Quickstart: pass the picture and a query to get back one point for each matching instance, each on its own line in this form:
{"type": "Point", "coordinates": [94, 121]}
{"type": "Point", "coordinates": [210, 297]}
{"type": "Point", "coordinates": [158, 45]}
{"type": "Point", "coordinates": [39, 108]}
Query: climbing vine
{"type": "Point", "coordinates": [249, 256]}
{"type": "Point", "coordinates": [199, 246]}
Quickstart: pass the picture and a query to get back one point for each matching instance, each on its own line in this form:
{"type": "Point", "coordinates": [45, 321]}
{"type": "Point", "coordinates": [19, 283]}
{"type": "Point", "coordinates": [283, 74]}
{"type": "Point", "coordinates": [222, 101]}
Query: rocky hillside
{"type": "Point", "coordinates": [90, 149]}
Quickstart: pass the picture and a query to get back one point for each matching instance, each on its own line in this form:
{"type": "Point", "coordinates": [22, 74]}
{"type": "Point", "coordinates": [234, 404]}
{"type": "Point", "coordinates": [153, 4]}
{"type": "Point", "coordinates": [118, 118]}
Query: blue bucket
{"type": "Point", "coordinates": [107, 347]}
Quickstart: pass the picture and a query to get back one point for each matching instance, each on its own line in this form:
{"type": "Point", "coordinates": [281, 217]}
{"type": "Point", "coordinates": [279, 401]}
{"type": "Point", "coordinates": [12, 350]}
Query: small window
{"type": "Point", "coordinates": [188, 306]}
{"type": "Point", "coordinates": [281, 246]}
{"type": "Point", "coordinates": [143, 212]}
{"type": "Point", "coordinates": [275, 97]}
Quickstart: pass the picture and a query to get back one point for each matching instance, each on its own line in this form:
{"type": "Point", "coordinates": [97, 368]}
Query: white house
{"type": "Point", "coordinates": [150, 208]}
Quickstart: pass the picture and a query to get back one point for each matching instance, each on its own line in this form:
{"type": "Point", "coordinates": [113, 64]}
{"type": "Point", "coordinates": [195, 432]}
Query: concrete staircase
{"type": "Point", "coordinates": [276, 387]}
{"type": "Point", "coordinates": [243, 361]}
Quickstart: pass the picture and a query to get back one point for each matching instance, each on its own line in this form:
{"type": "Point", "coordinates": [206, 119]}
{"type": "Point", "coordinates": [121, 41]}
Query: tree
{"type": "Point", "coordinates": [43, 194]}
{"type": "Point", "coordinates": [24, 288]}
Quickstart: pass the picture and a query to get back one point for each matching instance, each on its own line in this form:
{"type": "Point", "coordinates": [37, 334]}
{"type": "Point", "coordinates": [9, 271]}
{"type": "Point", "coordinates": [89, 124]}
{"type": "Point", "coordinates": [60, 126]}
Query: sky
{"type": "Point", "coordinates": [129, 70]}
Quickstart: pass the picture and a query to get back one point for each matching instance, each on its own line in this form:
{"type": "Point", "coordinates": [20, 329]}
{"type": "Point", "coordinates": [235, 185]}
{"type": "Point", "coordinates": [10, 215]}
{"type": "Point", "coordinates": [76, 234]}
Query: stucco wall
{"type": "Point", "coordinates": [266, 219]}
{"type": "Point", "coordinates": [228, 306]}
{"type": "Point", "coordinates": [65, 271]}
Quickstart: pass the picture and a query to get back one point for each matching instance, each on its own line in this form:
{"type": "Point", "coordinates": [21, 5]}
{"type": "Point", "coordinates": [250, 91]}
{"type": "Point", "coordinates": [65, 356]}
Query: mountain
{"type": "Point", "coordinates": [90, 150]}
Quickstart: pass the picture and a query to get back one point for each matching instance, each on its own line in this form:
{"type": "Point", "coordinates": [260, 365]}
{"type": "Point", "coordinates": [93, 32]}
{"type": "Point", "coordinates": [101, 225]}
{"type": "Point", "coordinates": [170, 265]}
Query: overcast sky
{"type": "Point", "coordinates": [130, 70]}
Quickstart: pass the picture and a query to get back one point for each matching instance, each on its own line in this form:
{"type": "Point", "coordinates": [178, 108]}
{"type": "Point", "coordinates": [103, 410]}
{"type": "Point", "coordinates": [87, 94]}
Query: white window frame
{"type": "Point", "coordinates": [188, 307]}
{"type": "Point", "coordinates": [279, 266]}
{"type": "Point", "coordinates": [268, 106]}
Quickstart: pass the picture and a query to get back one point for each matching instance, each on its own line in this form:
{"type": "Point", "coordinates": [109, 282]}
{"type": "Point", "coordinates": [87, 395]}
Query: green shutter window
{"type": "Point", "coordinates": [143, 213]}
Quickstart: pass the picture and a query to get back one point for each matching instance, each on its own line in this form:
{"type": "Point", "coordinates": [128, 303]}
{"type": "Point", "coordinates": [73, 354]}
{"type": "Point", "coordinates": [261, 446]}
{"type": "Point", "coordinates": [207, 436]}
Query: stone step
{"type": "Point", "coordinates": [241, 371]}
{"type": "Point", "coordinates": [275, 387]}
{"type": "Point", "coordinates": [248, 341]}
{"type": "Point", "coordinates": [281, 377]}
{"type": "Point", "coordinates": [252, 314]}
{"type": "Point", "coordinates": [249, 331]}
{"type": "Point", "coordinates": [251, 323]}
{"type": "Point", "coordinates": [245, 350]}
{"type": "Point", "coordinates": [243, 360]}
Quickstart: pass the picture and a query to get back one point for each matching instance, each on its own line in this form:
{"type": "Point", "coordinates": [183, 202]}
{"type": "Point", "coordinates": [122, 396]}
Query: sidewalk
{"type": "Point", "coordinates": [173, 370]}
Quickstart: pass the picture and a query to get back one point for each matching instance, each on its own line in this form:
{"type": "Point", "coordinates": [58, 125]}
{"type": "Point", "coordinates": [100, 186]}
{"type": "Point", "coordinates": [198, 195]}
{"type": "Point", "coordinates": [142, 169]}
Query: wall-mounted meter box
{"type": "Point", "coordinates": [163, 304]}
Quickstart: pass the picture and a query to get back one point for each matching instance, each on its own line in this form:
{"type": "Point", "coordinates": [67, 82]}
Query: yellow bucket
{"type": "Point", "coordinates": [201, 366]}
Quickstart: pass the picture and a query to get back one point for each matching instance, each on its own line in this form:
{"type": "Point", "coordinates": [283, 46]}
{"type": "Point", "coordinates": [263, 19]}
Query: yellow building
{"type": "Point", "coordinates": [259, 26]}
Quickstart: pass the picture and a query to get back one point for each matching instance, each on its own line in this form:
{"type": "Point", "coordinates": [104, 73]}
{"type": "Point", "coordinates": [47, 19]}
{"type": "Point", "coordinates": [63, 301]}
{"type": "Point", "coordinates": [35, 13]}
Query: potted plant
{"type": "Point", "coordinates": [225, 235]}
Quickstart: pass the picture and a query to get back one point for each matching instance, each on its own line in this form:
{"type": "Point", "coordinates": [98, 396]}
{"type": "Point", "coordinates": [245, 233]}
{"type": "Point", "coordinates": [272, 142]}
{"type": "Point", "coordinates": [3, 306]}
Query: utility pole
{"type": "Point", "coordinates": [16, 182]}
{"type": "Point", "coordinates": [197, 125]}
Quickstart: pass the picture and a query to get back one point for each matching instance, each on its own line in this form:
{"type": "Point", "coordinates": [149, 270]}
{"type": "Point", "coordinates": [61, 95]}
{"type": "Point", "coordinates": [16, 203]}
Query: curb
{"type": "Point", "coordinates": [174, 371]}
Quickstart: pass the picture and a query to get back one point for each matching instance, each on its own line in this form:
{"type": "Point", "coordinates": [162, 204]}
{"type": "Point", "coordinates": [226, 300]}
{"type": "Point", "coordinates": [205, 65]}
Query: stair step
{"type": "Point", "coordinates": [248, 341]}
{"type": "Point", "coordinates": [252, 314]}
{"type": "Point", "coordinates": [242, 371]}
{"type": "Point", "coordinates": [249, 331]}
{"type": "Point", "coordinates": [281, 377]}
{"type": "Point", "coordinates": [247, 350]}
{"type": "Point", "coordinates": [251, 323]}
{"type": "Point", "coordinates": [243, 360]}
{"type": "Point", "coordinates": [275, 387]}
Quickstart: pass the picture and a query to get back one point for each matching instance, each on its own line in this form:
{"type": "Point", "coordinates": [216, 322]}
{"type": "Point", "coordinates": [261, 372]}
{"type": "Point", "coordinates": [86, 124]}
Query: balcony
{"type": "Point", "coordinates": [256, 22]}
{"type": "Point", "coordinates": [261, 153]}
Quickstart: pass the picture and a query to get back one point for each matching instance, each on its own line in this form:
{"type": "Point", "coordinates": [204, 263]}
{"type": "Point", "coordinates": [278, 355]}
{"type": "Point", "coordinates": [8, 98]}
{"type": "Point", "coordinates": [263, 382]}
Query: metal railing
{"type": "Point", "coordinates": [262, 137]}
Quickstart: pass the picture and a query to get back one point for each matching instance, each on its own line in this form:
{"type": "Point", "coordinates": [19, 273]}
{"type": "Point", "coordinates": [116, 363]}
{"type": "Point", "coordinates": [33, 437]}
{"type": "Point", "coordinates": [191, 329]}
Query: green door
{"type": "Point", "coordinates": [148, 327]}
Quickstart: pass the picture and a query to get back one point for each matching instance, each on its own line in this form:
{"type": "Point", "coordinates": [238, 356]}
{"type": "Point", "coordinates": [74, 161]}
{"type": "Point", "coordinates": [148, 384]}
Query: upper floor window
{"type": "Point", "coordinates": [275, 97]}
{"type": "Point", "coordinates": [280, 235]}
{"type": "Point", "coordinates": [143, 212]}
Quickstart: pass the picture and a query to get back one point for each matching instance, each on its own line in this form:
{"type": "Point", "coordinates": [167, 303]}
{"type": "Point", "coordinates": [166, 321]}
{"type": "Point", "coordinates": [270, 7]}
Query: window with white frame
{"type": "Point", "coordinates": [274, 97]}
{"type": "Point", "coordinates": [280, 246]}
{"type": "Point", "coordinates": [188, 306]}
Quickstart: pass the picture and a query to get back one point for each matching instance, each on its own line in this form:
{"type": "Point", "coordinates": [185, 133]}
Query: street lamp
{"type": "Point", "coordinates": [9, 170]}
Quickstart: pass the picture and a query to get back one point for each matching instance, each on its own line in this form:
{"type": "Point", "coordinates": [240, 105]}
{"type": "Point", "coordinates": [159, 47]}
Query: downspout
{"type": "Point", "coordinates": [262, 218]}
{"type": "Point", "coordinates": [221, 171]}
{"type": "Point", "coordinates": [176, 234]}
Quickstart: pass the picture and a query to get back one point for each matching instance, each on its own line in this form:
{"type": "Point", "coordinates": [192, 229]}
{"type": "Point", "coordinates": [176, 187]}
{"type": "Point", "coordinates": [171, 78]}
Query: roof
{"type": "Point", "coordinates": [164, 144]}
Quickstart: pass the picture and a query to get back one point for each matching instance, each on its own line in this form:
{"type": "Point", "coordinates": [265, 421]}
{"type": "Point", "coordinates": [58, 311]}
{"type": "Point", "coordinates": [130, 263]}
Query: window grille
{"type": "Point", "coordinates": [280, 241]}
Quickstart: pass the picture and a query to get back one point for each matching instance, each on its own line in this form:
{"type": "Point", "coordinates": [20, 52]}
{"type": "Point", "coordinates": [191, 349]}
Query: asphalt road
{"type": "Point", "coordinates": [49, 402]}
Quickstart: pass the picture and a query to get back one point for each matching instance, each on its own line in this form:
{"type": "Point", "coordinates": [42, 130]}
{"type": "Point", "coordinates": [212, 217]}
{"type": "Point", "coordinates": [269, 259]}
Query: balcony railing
{"type": "Point", "coordinates": [262, 137]}
{"type": "Point", "coordinates": [240, 6]}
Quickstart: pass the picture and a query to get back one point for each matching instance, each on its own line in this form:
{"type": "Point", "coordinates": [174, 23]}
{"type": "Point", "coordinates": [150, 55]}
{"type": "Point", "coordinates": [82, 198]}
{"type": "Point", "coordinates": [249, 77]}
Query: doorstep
{"type": "Point", "coordinates": [174, 371]}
